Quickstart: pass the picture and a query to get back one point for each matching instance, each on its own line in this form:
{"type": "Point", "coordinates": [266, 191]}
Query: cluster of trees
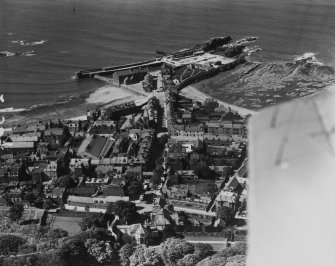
{"type": "Point", "coordinates": [225, 214]}
{"type": "Point", "coordinates": [23, 173]}
{"type": "Point", "coordinates": [97, 246]}
{"type": "Point", "coordinates": [10, 244]}
{"type": "Point", "coordinates": [16, 211]}
{"type": "Point", "coordinates": [63, 164]}
{"type": "Point", "coordinates": [36, 198]}
{"type": "Point", "coordinates": [65, 181]}
{"type": "Point", "coordinates": [204, 172]}
{"type": "Point", "coordinates": [93, 220]}
{"type": "Point", "coordinates": [172, 252]}
{"type": "Point", "coordinates": [66, 135]}
{"type": "Point", "coordinates": [125, 210]}
{"type": "Point", "coordinates": [55, 247]}
{"type": "Point", "coordinates": [235, 255]}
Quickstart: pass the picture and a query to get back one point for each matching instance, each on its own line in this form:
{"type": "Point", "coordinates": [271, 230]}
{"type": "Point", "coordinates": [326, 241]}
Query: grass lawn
{"type": "Point", "coordinates": [70, 224]}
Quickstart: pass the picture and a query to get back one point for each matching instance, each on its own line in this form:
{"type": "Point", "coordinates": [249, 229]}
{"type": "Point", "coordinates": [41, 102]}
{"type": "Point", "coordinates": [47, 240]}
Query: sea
{"type": "Point", "coordinates": [44, 42]}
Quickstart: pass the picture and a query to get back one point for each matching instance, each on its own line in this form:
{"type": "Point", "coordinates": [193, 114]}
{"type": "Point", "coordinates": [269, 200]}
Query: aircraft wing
{"type": "Point", "coordinates": [292, 184]}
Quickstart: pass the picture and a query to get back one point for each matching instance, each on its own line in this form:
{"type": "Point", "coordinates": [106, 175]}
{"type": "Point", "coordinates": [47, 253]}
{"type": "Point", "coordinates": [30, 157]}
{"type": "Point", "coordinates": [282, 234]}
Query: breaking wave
{"type": "Point", "coordinates": [24, 43]}
{"type": "Point", "coordinates": [308, 57]}
{"type": "Point", "coordinates": [9, 54]}
{"type": "Point", "coordinates": [11, 110]}
{"type": "Point", "coordinates": [6, 54]}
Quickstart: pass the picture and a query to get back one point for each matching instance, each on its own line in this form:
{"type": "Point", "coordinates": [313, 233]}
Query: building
{"type": "Point", "coordinates": [91, 204]}
{"type": "Point", "coordinates": [110, 190]}
{"type": "Point", "coordinates": [129, 76]}
{"type": "Point", "coordinates": [148, 83]}
{"type": "Point", "coordinates": [15, 195]}
{"type": "Point", "coordinates": [37, 173]}
{"type": "Point", "coordinates": [51, 170]}
{"type": "Point", "coordinates": [33, 216]}
{"type": "Point", "coordinates": [20, 130]}
{"type": "Point", "coordinates": [95, 147]}
{"type": "Point", "coordinates": [53, 136]}
{"type": "Point", "coordinates": [9, 174]}
{"type": "Point", "coordinates": [226, 199]}
{"type": "Point", "coordinates": [136, 233]}
{"type": "Point", "coordinates": [56, 193]}
{"type": "Point", "coordinates": [19, 147]}
{"type": "Point", "coordinates": [42, 147]}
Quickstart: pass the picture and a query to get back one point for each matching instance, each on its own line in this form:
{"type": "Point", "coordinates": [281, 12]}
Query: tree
{"type": "Point", "coordinates": [188, 260]}
{"type": "Point", "coordinates": [16, 211]}
{"type": "Point", "coordinates": [155, 180]}
{"type": "Point", "coordinates": [243, 206]}
{"type": "Point", "coordinates": [23, 172]}
{"type": "Point", "coordinates": [48, 244]}
{"type": "Point", "coordinates": [174, 249]}
{"type": "Point", "coordinates": [10, 244]}
{"type": "Point", "coordinates": [215, 260]}
{"type": "Point", "coordinates": [144, 256]}
{"type": "Point", "coordinates": [56, 233]}
{"type": "Point", "coordinates": [65, 181]}
{"type": "Point", "coordinates": [238, 260]}
{"type": "Point", "coordinates": [101, 250]}
{"type": "Point", "coordinates": [26, 249]}
{"type": "Point", "coordinates": [226, 214]}
{"type": "Point", "coordinates": [210, 188]}
{"type": "Point", "coordinates": [80, 125]}
{"type": "Point", "coordinates": [135, 189]}
{"type": "Point", "coordinates": [204, 172]}
{"type": "Point", "coordinates": [157, 174]}
{"type": "Point", "coordinates": [31, 260]}
{"type": "Point", "coordinates": [124, 253]}
{"type": "Point", "coordinates": [126, 210]}
{"type": "Point", "coordinates": [31, 197]}
{"type": "Point", "coordinates": [95, 233]}
{"type": "Point", "coordinates": [74, 252]}
{"type": "Point", "coordinates": [48, 204]}
{"type": "Point", "coordinates": [65, 136]}
{"type": "Point", "coordinates": [50, 258]}
{"type": "Point", "coordinates": [92, 220]}
{"type": "Point", "coordinates": [202, 250]}
{"type": "Point", "coordinates": [63, 165]}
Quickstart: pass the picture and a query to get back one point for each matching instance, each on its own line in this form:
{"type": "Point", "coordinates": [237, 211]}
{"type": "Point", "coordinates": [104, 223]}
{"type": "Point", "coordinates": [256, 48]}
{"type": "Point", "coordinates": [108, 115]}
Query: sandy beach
{"type": "Point", "coordinates": [108, 94]}
{"type": "Point", "coordinates": [75, 107]}
{"type": "Point", "coordinates": [193, 93]}
{"type": "Point", "coordinates": [103, 97]}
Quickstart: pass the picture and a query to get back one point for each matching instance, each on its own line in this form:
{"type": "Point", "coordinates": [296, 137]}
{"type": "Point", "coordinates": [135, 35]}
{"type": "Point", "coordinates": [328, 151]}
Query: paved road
{"type": "Point", "coordinates": [194, 211]}
{"type": "Point", "coordinates": [217, 245]}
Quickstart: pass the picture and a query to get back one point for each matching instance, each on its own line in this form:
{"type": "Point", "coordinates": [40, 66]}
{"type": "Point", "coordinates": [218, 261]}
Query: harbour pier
{"type": "Point", "coordinates": [90, 73]}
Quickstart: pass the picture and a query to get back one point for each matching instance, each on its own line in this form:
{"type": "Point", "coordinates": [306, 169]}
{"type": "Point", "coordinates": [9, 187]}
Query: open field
{"type": "Point", "coordinates": [70, 224]}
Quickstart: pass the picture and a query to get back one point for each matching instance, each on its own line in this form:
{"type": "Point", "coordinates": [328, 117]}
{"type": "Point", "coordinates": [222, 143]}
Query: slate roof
{"type": "Point", "coordinates": [54, 131]}
{"type": "Point", "coordinates": [112, 191]}
{"type": "Point", "coordinates": [17, 138]}
{"type": "Point", "coordinates": [19, 145]}
{"type": "Point", "coordinates": [96, 145]}
{"type": "Point", "coordinates": [85, 191]}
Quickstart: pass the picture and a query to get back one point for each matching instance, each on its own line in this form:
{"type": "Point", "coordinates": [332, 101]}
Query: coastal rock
{"type": "Point", "coordinates": [281, 81]}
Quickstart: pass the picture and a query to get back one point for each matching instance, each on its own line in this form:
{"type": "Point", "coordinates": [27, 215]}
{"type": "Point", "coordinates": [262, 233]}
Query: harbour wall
{"type": "Point", "coordinates": [89, 73]}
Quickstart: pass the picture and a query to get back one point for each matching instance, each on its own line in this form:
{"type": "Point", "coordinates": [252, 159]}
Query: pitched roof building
{"type": "Point", "coordinates": [95, 147]}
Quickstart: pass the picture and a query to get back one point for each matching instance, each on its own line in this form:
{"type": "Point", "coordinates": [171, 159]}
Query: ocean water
{"type": "Point", "coordinates": [54, 39]}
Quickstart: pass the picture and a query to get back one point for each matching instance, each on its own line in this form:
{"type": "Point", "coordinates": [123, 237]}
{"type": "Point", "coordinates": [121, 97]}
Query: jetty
{"type": "Point", "coordinates": [90, 73]}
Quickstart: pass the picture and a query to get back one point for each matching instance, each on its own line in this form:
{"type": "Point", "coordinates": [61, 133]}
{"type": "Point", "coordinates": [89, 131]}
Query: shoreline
{"type": "Point", "coordinates": [193, 93]}
{"type": "Point", "coordinates": [72, 108]}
